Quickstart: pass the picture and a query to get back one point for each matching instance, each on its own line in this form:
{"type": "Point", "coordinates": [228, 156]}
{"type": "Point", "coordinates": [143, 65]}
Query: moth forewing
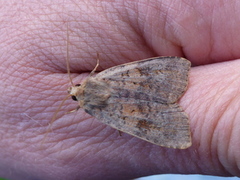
{"type": "Point", "coordinates": [140, 98]}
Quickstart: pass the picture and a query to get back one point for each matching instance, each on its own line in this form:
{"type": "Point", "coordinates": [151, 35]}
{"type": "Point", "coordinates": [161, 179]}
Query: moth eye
{"type": "Point", "coordinates": [74, 98]}
{"type": "Point", "coordinates": [78, 85]}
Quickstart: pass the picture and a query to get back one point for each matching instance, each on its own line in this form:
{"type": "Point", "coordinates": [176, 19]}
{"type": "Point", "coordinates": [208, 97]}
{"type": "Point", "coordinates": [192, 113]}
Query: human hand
{"type": "Point", "coordinates": [34, 82]}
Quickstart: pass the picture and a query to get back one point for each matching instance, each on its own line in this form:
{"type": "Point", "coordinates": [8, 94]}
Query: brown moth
{"type": "Point", "coordinates": [140, 98]}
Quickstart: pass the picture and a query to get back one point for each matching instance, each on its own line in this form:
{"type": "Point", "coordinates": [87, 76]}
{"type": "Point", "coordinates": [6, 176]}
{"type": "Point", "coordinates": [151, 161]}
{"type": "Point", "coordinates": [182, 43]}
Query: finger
{"type": "Point", "coordinates": [213, 102]}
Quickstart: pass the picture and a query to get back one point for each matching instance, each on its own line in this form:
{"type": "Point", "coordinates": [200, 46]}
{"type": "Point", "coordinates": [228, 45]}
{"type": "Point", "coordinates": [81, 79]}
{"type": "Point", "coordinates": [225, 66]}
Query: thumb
{"type": "Point", "coordinates": [213, 103]}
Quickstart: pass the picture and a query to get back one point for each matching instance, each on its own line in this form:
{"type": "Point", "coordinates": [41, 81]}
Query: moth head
{"type": "Point", "coordinates": [74, 91]}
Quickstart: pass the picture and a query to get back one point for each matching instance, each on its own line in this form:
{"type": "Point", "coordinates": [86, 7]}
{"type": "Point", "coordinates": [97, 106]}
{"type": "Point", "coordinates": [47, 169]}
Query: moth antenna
{"type": "Point", "coordinates": [67, 59]}
{"type": "Point", "coordinates": [54, 117]}
{"type": "Point", "coordinates": [93, 71]}
{"type": "Point", "coordinates": [63, 101]}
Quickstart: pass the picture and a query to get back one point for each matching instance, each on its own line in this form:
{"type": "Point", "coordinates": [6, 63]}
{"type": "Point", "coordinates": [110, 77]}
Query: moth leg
{"type": "Point", "coordinates": [120, 133]}
{"type": "Point", "coordinates": [93, 71]}
{"type": "Point", "coordinates": [77, 108]}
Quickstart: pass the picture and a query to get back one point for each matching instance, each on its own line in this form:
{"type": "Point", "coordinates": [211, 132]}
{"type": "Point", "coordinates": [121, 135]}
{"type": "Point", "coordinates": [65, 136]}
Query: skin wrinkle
{"type": "Point", "coordinates": [193, 155]}
{"type": "Point", "coordinates": [228, 151]}
{"type": "Point", "coordinates": [236, 162]}
{"type": "Point", "coordinates": [166, 33]}
{"type": "Point", "coordinates": [84, 29]}
{"type": "Point", "coordinates": [200, 22]}
{"type": "Point", "coordinates": [172, 23]}
{"type": "Point", "coordinates": [228, 49]}
{"type": "Point", "coordinates": [148, 27]}
{"type": "Point", "coordinates": [221, 120]}
{"type": "Point", "coordinates": [134, 28]}
{"type": "Point", "coordinates": [119, 30]}
{"type": "Point", "coordinates": [211, 34]}
{"type": "Point", "coordinates": [145, 40]}
{"type": "Point", "coordinates": [132, 15]}
{"type": "Point", "coordinates": [178, 40]}
{"type": "Point", "coordinates": [209, 135]}
{"type": "Point", "coordinates": [200, 121]}
{"type": "Point", "coordinates": [214, 152]}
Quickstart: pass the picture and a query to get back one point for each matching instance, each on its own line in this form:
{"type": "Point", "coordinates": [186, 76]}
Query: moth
{"type": "Point", "coordinates": [140, 98]}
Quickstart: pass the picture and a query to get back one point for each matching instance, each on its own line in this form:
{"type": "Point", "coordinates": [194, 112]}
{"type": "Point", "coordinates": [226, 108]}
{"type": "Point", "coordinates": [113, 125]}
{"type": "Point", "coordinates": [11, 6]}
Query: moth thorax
{"type": "Point", "coordinates": [96, 94]}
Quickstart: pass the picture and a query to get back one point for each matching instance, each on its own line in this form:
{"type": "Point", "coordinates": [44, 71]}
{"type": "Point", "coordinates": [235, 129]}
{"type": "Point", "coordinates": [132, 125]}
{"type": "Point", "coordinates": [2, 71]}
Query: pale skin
{"type": "Point", "coordinates": [34, 81]}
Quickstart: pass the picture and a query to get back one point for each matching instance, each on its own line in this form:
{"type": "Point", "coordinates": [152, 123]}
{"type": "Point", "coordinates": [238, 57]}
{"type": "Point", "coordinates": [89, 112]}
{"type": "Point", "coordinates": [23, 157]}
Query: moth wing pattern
{"type": "Point", "coordinates": [165, 78]}
{"type": "Point", "coordinates": [143, 100]}
{"type": "Point", "coordinates": [164, 125]}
